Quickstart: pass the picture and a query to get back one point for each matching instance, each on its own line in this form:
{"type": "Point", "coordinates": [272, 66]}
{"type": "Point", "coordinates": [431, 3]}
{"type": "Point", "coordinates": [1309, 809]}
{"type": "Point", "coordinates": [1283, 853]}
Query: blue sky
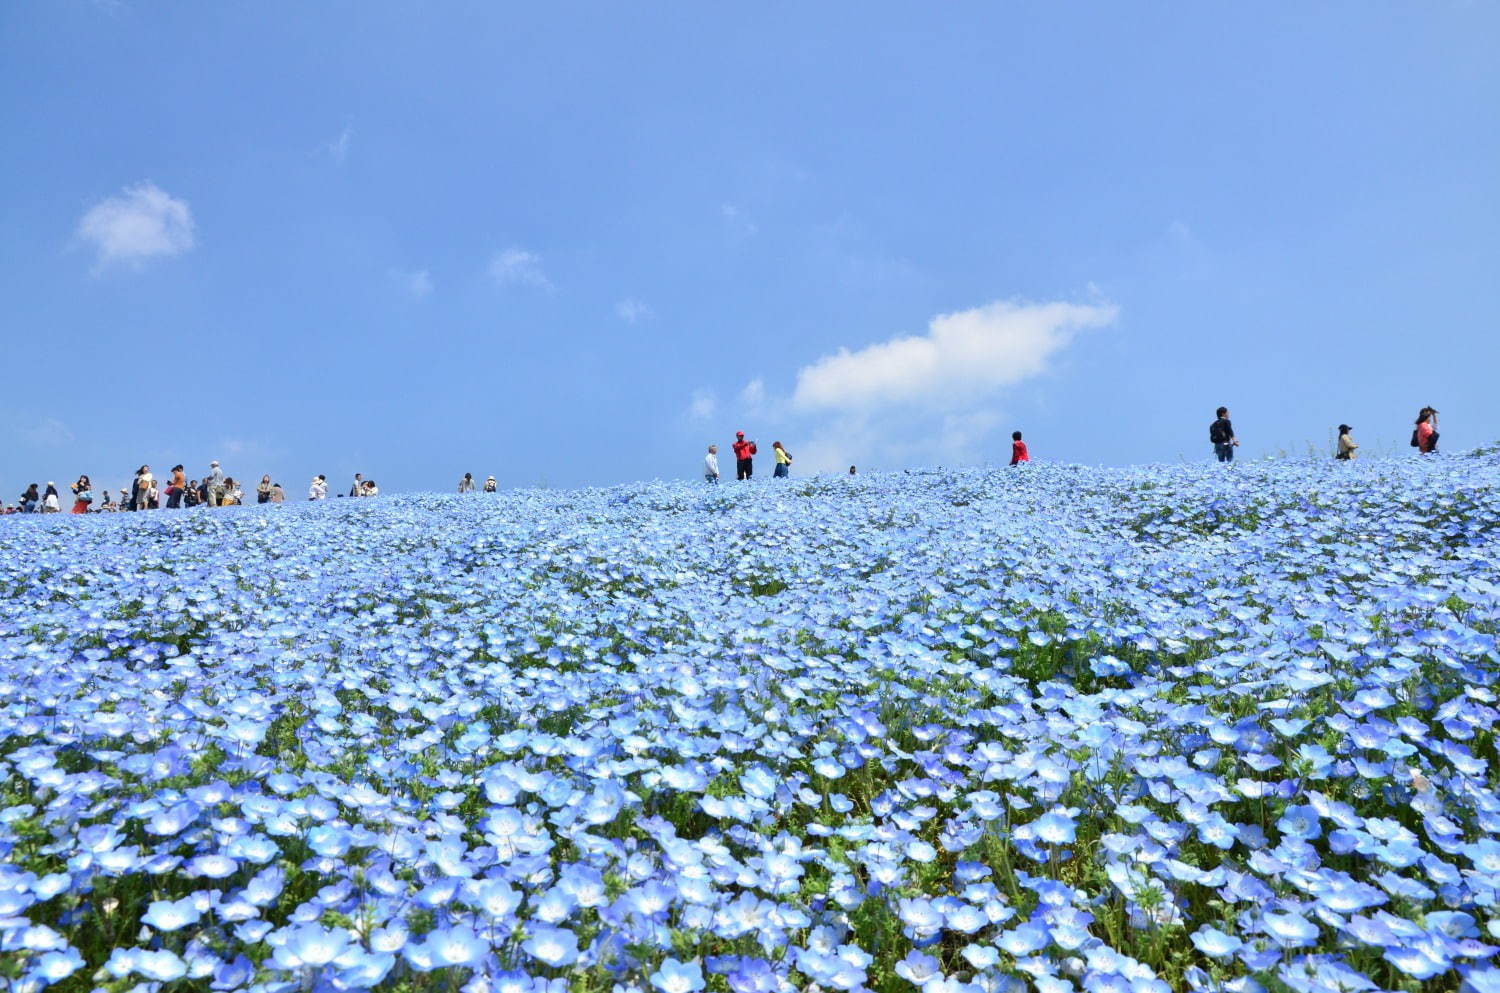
{"type": "Point", "coordinates": [574, 245]}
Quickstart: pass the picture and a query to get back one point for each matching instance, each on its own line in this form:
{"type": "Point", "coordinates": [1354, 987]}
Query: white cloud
{"type": "Point", "coordinates": [962, 355]}
{"type": "Point", "coordinates": [633, 311]}
{"type": "Point", "coordinates": [414, 283]}
{"type": "Point", "coordinates": [703, 405]}
{"type": "Point", "coordinates": [929, 399]}
{"type": "Point", "coordinates": [518, 267]}
{"type": "Point", "coordinates": [142, 223]}
{"type": "Point", "coordinates": [338, 148]}
{"type": "Point", "coordinates": [49, 432]}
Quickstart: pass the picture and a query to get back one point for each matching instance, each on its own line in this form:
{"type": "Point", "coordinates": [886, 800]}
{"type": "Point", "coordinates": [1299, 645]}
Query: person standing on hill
{"type": "Point", "coordinates": [176, 488]}
{"type": "Point", "coordinates": [1018, 452]}
{"type": "Point", "coordinates": [783, 461]}
{"type": "Point", "coordinates": [711, 464]}
{"type": "Point", "coordinates": [1347, 448]}
{"type": "Point", "coordinates": [489, 485]}
{"type": "Point", "coordinates": [466, 485]}
{"type": "Point", "coordinates": [318, 489]}
{"type": "Point", "coordinates": [263, 489]}
{"type": "Point", "coordinates": [358, 489]}
{"type": "Point", "coordinates": [144, 483]}
{"type": "Point", "coordinates": [744, 451]}
{"type": "Point", "coordinates": [1425, 437]}
{"type": "Point", "coordinates": [1221, 433]}
{"type": "Point", "coordinates": [83, 495]}
{"type": "Point", "coordinates": [213, 484]}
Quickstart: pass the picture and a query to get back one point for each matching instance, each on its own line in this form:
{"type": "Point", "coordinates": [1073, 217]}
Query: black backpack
{"type": "Point", "coordinates": [1216, 432]}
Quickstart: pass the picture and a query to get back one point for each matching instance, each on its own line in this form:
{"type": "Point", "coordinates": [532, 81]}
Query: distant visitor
{"type": "Point", "coordinates": [1424, 438]}
{"type": "Point", "coordinates": [1347, 448]}
{"type": "Point", "coordinates": [783, 461]}
{"type": "Point", "coordinates": [1018, 453]}
{"type": "Point", "coordinates": [743, 452]}
{"type": "Point", "coordinates": [1221, 433]}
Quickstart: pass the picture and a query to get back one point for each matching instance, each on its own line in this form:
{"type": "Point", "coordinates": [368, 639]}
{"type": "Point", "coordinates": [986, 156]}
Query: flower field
{"type": "Point", "coordinates": [1049, 729]}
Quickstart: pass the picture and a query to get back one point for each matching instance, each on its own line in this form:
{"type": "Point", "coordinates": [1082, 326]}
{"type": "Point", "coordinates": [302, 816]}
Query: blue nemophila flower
{"type": "Point", "coordinates": [457, 945]}
{"type": "Point", "coordinates": [309, 946]}
{"type": "Point", "coordinates": [1215, 943]}
{"type": "Point", "coordinates": [172, 915]}
{"type": "Point", "coordinates": [1289, 930]}
{"type": "Point", "coordinates": [678, 977]}
{"type": "Point", "coordinates": [552, 946]}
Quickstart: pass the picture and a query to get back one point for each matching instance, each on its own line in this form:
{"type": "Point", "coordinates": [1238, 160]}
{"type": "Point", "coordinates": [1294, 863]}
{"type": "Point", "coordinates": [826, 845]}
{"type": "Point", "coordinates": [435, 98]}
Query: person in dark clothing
{"type": "Point", "coordinates": [743, 451]}
{"type": "Point", "coordinates": [1221, 433]}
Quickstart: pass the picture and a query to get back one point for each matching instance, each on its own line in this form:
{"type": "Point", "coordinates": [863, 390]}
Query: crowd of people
{"type": "Point", "coordinates": [146, 492]}
{"type": "Point", "coordinates": [216, 489]}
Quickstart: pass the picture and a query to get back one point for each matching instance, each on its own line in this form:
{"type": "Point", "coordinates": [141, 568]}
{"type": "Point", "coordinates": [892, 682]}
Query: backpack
{"type": "Point", "coordinates": [1216, 433]}
{"type": "Point", "coordinates": [1414, 442]}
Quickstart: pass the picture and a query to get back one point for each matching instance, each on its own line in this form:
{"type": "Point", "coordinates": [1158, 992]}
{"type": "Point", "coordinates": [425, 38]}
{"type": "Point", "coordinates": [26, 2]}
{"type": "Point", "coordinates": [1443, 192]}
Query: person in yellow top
{"type": "Point", "coordinates": [1347, 447]}
{"type": "Point", "coordinates": [783, 461]}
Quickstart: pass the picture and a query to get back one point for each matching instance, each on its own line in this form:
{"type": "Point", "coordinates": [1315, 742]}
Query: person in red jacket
{"type": "Point", "coordinates": [743, 450]}
{"type": "Point", "coordinates": [1018, 451]}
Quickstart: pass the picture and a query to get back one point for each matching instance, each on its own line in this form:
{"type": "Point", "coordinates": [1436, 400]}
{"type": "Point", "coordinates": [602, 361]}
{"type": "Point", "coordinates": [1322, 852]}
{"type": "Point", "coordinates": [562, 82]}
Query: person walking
{"type": "Point", "coordinates": [83, 495]}
{"type": "Point", "coordinates": [177, 488]}
{"type": "Point", "coordinates": [489, 485]}
{"type": "Point", "coordinates": [51, 502]}
{"type": "Point", "coordinates": [466, 485]}
{"type": "Point", "coordinates": [783, 461]}
{"type": "Point", "coordinates": [744, 451]}
{"type": "Point", "coordinates": [1018, 452]}
{"type": "Point", "coordinates": [1425, 437]}
{"type": "Point", "coordinates": [711, 464]}
{"type": "Point", "coordinates": [213, 485]}
{"type": "Point", "coordinates": [263, 489]}
{"type": "Point", "coordinates": [318, 489]}
{"type": "Point", "coordinates": [358, 489]}
{"type": "Point", "coordinates": [1347, 448]}
{"type": "Point", "coordinates": [1221, 433]}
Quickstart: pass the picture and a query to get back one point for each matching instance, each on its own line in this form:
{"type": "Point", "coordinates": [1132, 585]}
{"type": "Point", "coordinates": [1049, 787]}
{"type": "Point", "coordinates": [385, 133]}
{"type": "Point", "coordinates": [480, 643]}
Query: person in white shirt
{"type": "Point", "coordinates": [466, 485]}
{"type": "Point", "coordinates": [711, 464]}
{"type": "Point", "coordinates": [319, 488]}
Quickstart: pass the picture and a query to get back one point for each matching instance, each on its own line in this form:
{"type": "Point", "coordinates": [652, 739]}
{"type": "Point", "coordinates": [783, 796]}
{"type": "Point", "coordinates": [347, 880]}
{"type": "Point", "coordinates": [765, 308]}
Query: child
{"type": "Point", "coordinates": [711, 464]}
{"type": "Point", "coordinates": [1018, 451]}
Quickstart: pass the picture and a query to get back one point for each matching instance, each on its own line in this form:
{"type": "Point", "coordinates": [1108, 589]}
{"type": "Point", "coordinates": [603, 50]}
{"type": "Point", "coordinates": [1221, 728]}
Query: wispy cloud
{"type": "Point", "coordinates": [633, 311]}
{"type": "Point", "coordinates": [519, 267]}
{"type": "Point", "coordinates": [416, 283]}
{"type": "Point", "coordinates": [49, 432]}
{"type": "Point", "coordinates": [737, 220]}
{"type": "Point", "coordinates": [140, 224]}
{"type": "Point", "coordinates": [703, 405]}
{"type": "Point", "coordinates": [337, 148]}
{"type": "Point", "coordinates": [753, 397]}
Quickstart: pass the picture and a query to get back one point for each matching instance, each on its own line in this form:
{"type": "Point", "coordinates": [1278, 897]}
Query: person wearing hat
{"type": "Point", "coordinates": [743, 451]}
{"type": "Point", "coordinates": [1425, 437]}
{"type": "Point", "coordinates": [1347, 447]}
{"type": "Point", "coordinates": [214, 483]}
{"type": "Point", "coordinates": [318, 489]}
{"type": "Point", "coordinates": [489, 485]}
